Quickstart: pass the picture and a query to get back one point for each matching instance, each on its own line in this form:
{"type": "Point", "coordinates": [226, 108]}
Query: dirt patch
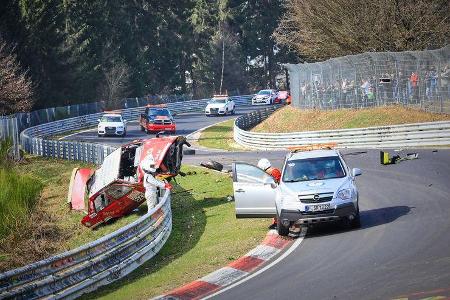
{"type": "Point", "coordinates": [290, 119]}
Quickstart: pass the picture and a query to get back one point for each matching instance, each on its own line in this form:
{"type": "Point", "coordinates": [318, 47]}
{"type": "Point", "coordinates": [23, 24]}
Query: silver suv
{"type": "Point", "coordinates": [316, 186]}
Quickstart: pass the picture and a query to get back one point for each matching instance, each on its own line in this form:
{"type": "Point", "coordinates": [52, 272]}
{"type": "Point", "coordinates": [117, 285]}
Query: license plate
{"type": "Point", "coordinates": [317, 207]}
{"type": "Point", "coordinates": [168, 128]}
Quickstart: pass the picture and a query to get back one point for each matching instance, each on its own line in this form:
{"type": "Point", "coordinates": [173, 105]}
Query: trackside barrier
{"type": "Point", "coordinates": [73, 273]}
{"type": "Point", "coordinates": [36, 139]}
{"type": "Point", "coordinates": [70, 274]}
{"type": "Point", "coordinates": [406, 135]}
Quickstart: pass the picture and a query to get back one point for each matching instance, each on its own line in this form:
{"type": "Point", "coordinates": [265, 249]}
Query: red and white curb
{"type": "Point", "coordinates": [238, 271]}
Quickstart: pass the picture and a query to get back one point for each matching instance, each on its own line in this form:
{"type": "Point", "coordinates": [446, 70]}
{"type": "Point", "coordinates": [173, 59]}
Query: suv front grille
{"type": "Point", "coordinates": [165, 122]}
{"type": "Point", "coordinates": [315, 198]}
{"type": "Point", "coordinates": [110, 129]}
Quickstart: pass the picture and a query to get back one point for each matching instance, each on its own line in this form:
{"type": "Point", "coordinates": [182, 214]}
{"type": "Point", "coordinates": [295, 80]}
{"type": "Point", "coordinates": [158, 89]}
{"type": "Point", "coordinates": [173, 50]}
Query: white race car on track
{"type": "Point", "coordinates": [112, 124]}
{"type": "Point", "coordinates": [220, 105]}
{"type": "Point", "coordinates": [264, 97]}
{"type": "Point", "coordinates": [316, 186]}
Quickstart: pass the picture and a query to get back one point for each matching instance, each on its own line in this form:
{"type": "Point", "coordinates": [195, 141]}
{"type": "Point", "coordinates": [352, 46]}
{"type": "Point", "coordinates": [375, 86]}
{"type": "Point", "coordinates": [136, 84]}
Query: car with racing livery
{"type": "Point", "coordinates": [264, 97]}
{"type": "Point", "coordinates": [220, 105]}
{"type": "Point", "coordinates": [316, 186]}
{"type": "Point", "coordinates": [281, 97]}
{"type": "Point", "coordinates": [116, 188]}
{"type": "Point", "coordinates": [157, 118]}
{"type": "Point", "coordinates": [112, 124]}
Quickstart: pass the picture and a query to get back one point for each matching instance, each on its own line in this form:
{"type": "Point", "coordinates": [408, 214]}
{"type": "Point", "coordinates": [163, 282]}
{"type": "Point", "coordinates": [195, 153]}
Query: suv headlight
{"type": "Point", "coordinates": [344, 194]}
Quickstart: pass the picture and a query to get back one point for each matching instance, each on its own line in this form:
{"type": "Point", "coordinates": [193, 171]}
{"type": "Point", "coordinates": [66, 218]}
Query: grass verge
{"type": "Point", "coordinates": [49, 227]}
{"type": "Point", "coordinates": [290, 119]}
{"type": "Point", "coordinates": [205, 236]}
{"type": "Point", "coordinates": [18, 193]}
{"type": "Point", "coordinates": [219, 136]}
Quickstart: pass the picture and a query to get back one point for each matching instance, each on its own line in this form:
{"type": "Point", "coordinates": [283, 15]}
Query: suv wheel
{"type": "Point", "coordinates": [356, 222]}
{"type": "Point", "coordinates": [281, 229]}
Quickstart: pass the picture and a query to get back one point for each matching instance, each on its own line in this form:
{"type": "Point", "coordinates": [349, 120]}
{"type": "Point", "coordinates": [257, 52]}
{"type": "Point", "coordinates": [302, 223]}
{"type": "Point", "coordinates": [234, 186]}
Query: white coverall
{"type": "Point", "coordinates": [150, 185]}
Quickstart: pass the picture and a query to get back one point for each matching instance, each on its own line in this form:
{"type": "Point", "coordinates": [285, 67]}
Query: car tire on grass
{"type": "Point", "coordinates": [214, 165]}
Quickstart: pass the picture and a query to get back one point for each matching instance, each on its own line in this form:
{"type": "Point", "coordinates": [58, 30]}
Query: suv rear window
{"type": "Point", "coordinates": [313, 169]}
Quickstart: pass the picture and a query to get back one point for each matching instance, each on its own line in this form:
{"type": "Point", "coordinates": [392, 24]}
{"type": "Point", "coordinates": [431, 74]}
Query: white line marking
{"type": "Point", "coordinates": [284, 255]}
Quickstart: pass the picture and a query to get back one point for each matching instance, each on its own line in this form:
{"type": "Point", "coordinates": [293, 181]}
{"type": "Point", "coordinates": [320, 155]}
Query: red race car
{"type": "Point", "coordinates": [157, 118]}
{"type": "Point", "coordinates": [282, 97]}
{"type": "Point", "coordinates": [116, 188]}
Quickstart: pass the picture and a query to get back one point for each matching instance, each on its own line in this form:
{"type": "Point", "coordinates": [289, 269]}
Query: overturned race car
{"type": "Point", "coordinates": [116, 188]}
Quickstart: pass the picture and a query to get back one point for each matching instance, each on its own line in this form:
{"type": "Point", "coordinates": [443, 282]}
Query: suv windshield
{"type": "Point", "coordinates": [111, 119]}
{"type": "Point", "coordinates": [158, 112]}
{"type": "Point", "coordinates": [313, 169]}
{"type": "Point", "coordinates": [264, 92]}
{"type": "Point", "coordinates": [218, 100]}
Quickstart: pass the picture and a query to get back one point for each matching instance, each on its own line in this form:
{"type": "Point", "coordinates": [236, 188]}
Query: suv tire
{"type": "Point", "coordinates": [356, 222]}
{"type": "Point", "coordinates": [281, 229]}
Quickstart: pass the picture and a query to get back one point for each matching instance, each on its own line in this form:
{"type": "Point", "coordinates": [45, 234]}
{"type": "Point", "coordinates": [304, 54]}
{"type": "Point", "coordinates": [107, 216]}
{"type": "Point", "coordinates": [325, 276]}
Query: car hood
{"type": "Point", "coordinates": [215, 105]}
{"type": "Point", "coordinates": [112, 124]}
{"type": "Point", "coordinates": [262, 96]}
{"type": "Point", "coordinates": [313, 186]}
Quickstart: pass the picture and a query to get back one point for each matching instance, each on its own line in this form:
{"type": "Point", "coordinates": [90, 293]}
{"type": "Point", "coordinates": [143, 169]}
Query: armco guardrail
{"type": "Point", "coordinates": [406, 135]}
{"type": "Point", "coordinates": [35, 140]}
{"type": "Point", "coordinates": [70, 274]}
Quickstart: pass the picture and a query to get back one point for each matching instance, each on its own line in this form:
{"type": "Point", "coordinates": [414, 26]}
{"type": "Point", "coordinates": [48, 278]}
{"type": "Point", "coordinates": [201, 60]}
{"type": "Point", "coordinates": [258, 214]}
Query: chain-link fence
{"type": "Point", "coordinates": [412, 78]}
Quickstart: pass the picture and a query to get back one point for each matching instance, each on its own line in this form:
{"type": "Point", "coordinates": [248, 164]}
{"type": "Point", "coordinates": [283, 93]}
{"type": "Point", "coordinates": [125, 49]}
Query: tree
{"type": "Point", "coordinates": [321, 29]}
{"type": "Point", "coordinates": [16, 88]}
{"type": "Point", "coordinates": [116, 83]}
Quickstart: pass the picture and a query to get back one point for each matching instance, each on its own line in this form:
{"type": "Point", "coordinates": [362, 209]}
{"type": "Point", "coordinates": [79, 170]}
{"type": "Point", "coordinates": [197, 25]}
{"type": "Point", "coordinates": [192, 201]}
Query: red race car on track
{"type": "Point", "coordinates": [116, 188]}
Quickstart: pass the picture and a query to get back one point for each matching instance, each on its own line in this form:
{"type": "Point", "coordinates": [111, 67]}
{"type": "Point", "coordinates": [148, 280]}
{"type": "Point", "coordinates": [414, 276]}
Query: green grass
{"type": "Point", "coordinates": [18, 193]}
{"type": "Point", "coordinates": [205, 236]}
{"type": "Point", "coordinates": [290, 119]}
{"type": "Point", "coordinates": [219, 136]}
{"type": "Point", "coordinates": [46, 225]}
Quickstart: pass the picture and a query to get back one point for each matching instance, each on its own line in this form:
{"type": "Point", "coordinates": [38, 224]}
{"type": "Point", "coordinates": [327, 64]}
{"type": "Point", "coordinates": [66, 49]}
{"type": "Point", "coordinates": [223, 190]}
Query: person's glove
{"type": "Point", "coordinates": [168, 186]}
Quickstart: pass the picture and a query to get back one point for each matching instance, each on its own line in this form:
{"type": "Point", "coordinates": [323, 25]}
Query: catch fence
{"type": "Point", "coordinates": [418, 79]}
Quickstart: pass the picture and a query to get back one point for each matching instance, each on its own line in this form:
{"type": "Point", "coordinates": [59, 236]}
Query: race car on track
{"type": "Point", "coordinates": [316, 186]}
{"type": "Point", "coordinates": [220, 105]}
{"type": "Point", "coordinates": [116, 188]}
{"type": "Point", "coordinates": [112, 124]}
{"type": "Point", "coordinates": [282, 97]}
{"type": "Point", "coordinates": [264, 97]}
{"type": "Point", "coordinates": [157, 118]}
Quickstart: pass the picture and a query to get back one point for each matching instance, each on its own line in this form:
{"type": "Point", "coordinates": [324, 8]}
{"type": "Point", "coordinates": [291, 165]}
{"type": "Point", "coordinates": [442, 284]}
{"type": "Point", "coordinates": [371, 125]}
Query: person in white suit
{"type": "Point", "coordinates": [151, 184]}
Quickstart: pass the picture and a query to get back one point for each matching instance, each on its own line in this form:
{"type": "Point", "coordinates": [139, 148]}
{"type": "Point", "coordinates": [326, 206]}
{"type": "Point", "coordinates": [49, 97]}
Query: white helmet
{"type": "Point", "coordinates": [264, 164]}
{"type": "Point", "coordinates": [148, 164]}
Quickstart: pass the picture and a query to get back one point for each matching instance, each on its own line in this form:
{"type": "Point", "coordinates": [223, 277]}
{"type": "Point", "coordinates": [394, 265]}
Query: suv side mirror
{"type": "Point", "coordinates": [356, 172]}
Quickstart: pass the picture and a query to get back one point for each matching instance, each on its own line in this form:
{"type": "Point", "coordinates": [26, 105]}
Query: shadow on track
{"type": "Point", "coordinates": [369, 218]}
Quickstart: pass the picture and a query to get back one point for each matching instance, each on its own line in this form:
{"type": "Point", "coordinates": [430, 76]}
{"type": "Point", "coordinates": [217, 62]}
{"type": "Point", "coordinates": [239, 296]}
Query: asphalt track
{"type": "Point", "coordinates": [401, 251]}
{"type": "Point", "coordinates": [186, 124]}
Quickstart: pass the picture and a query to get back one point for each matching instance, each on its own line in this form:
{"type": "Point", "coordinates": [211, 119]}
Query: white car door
{"type": "Point", "coordinates": [254, 192]}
